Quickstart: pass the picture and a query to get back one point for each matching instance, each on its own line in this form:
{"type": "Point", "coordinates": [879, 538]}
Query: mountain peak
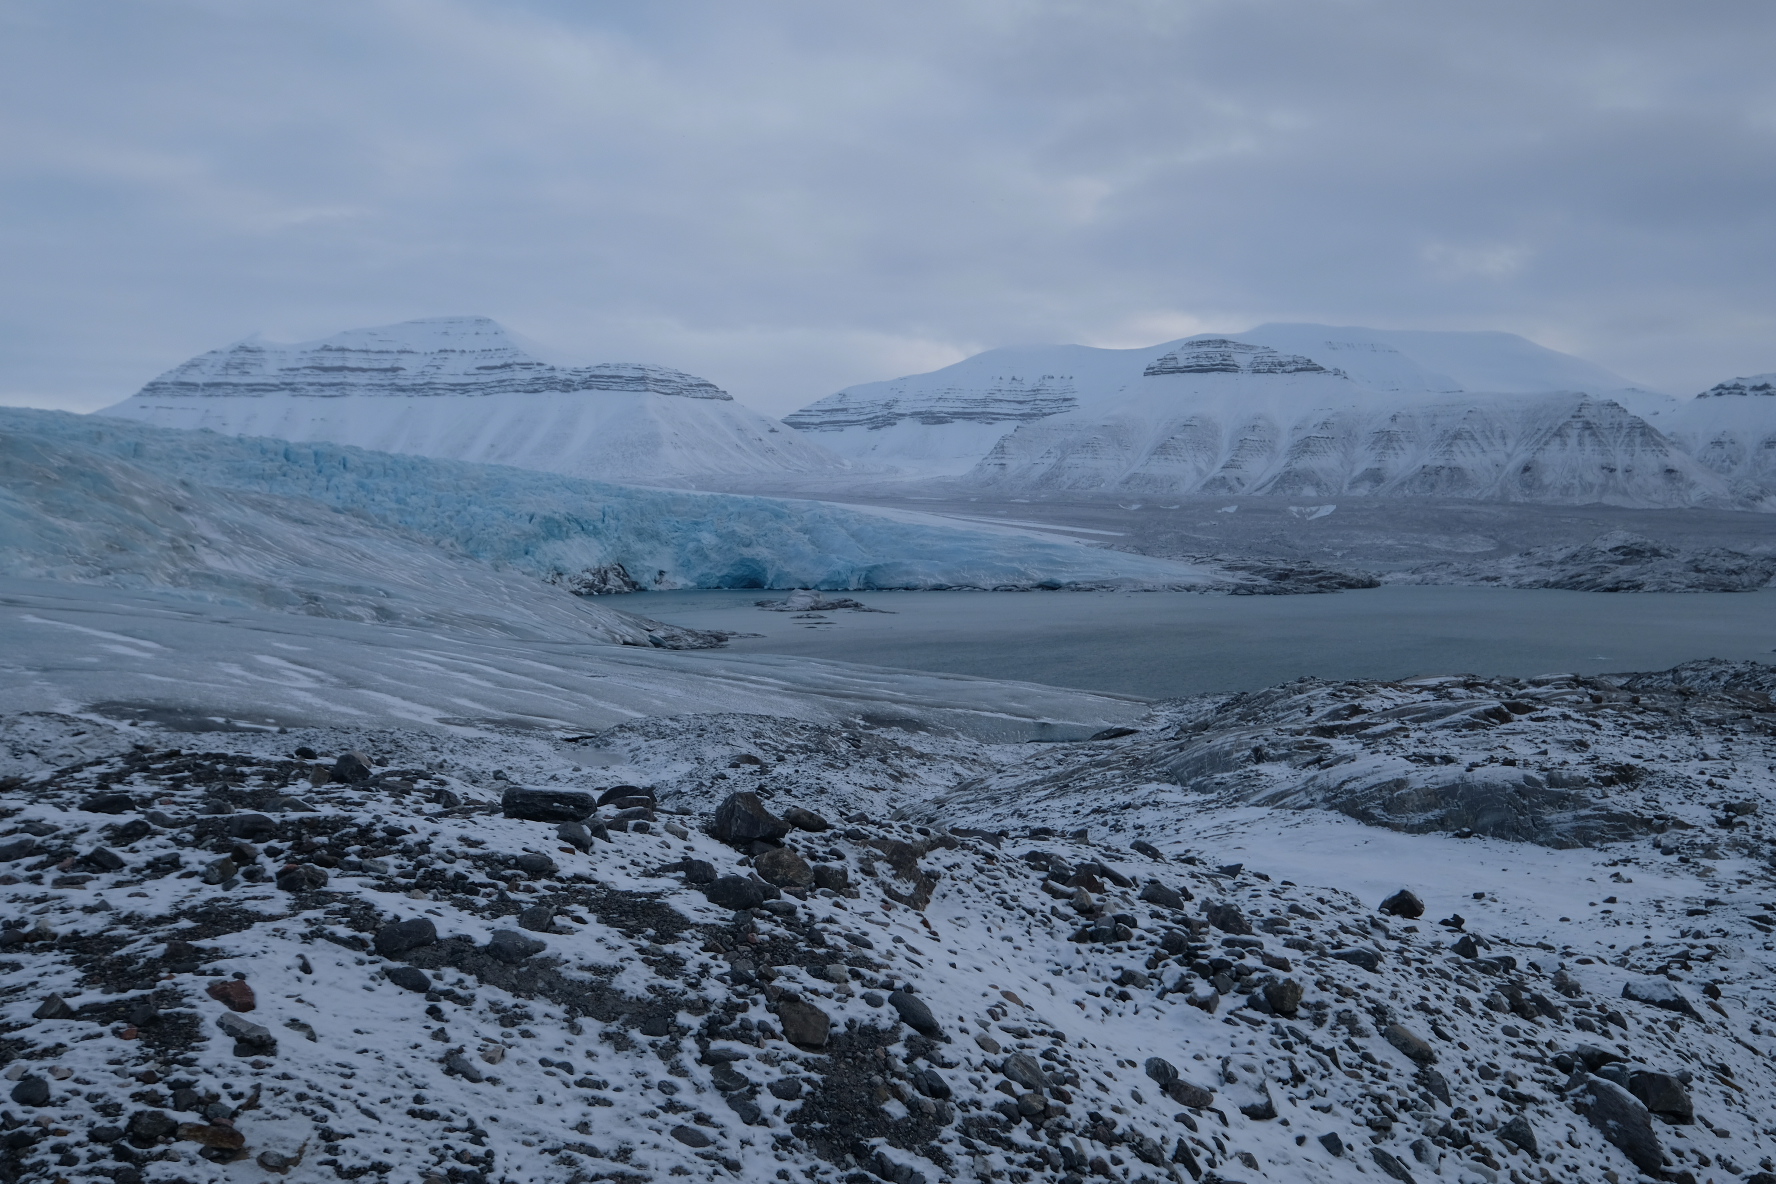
{"type": "Point", "coordinates": [451, 355]}
{"type": "Point", "coordinates": [1756, 384]}
{"type": "Point", "coordinates": [1223, 355]}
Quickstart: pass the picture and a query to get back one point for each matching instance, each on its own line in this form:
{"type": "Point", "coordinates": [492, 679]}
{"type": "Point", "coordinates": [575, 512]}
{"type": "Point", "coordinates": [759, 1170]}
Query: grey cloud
{"type": "Point", "coordinates": [792, 196]}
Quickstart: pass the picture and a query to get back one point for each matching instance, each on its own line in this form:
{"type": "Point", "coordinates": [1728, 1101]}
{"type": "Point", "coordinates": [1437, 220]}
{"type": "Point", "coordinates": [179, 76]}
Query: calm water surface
{"type": "Point", "coordinates": [1160, 644]}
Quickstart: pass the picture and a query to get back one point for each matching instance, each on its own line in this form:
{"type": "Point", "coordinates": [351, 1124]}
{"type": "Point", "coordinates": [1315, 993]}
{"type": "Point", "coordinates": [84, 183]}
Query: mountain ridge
{"type": "Point", "coordinates": [463, 388]}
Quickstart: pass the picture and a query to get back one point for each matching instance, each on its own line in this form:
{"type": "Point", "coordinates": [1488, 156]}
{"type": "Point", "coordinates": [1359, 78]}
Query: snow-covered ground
{"type": "Point", "coordinates": [253, 946]}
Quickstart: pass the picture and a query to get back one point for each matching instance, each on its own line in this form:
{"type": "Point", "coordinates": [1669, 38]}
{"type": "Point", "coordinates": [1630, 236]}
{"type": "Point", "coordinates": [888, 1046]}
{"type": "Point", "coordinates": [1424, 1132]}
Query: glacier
{"type": "Point", "coordinates": [99, 499]}
{"type": "Point", "coordinates": [465, 388]}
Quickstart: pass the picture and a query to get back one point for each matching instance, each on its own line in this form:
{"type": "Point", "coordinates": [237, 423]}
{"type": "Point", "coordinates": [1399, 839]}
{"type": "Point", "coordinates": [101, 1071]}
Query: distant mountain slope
{"type": "Point", "coordinates": [1730, 428]}
{"type": "Point", "coordinates": [461, 388]}
{"type": "Point", "coordinates": [1300, 410]}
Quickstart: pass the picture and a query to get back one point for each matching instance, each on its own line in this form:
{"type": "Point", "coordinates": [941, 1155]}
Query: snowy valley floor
{"type": "Point", "coordinates": [919, 952]}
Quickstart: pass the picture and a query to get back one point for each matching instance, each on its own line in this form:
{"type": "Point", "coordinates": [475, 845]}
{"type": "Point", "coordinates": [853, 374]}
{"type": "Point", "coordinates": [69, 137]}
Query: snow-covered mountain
{"type": "Point", "coordinates": [1730, 428]}
{"type": "Point", "coordinates": [463, 388]}
{"type": "Point", "coordinates": [1295, 410]}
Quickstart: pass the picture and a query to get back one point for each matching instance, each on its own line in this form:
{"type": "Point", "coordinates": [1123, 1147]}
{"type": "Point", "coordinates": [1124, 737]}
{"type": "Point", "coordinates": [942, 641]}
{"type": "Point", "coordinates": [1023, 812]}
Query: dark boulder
{"type": "Point", "coordinates": [1656, 992]}
{"type": "Point", "coordinates": [351, 768]}
{"type": "Point", "coordinates": [148, 1127]}
{"type": "Point", "coordinates": [1403, 903]}
{"type": "Point", "coordinates": [784, 867]}
{"type": "Point", "coordinates": [513, 947]}
{"type": "Point", "coordinates": [804, 1025]}
{"type": "Point", "coordinates": [1284, 995]}
{"type": "Point", "coordinates": [1663, 1094]}
{"type": "Point", "coordinates": [832, 877]}
{"type": "Point", "coordinates": [109, 803]}
{"type": "Point", "coordinates": [538, 918]}
{"type": "Point", "coordinates": [618, 793]}
{"type": "Point", "coordinates": [104, 859]}
{"type": "Point", "coordinates": [1415, 1047]}
{"type": "Point", "coordinates": [1624, 1122]}
{"type": "Point", "coordinates": [18, 848]}
{"type": "Point", "coordinates": [742, 819]}
{"type": "Point", "coordinates": [738, 892]}
{"type": "Point", "coordinates": [301, 877]}
{"type": "Point", "coordinates": [32, 1091]}
{"type": "Point", "coordinates": [915, 1013]}
{"type": "Point", "coordinates": [398, 937]}
{"type": "Point", "coordinates": [1226, 916]}
{"type": "Point", "coordinates": [1519, 1134]}
{"type": "Point", "coordinates": [410, 978]}
{"type": "Point", "coordinates": [547, 805]}
{"type": "Point", "coordinates": [577, 835]}
{"type": "Point", "coordinates": [806, 820]}
{"type": "Point", "coordinates": [253, 828]}
{"type": "Point", "coordinates": [1153, 892]}
{"type": "Point", "coordinates": [1362, 956]}
{"type": "Point", "coordinates": [536, 864]}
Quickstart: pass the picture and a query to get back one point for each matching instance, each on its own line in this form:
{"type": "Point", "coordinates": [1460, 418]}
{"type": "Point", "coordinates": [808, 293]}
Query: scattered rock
{"type": "Point", "coordinates": [784, 867]}
{"type": "Point", "coordinates": [1226, 916]}
{"type": "Point", "coordinates": [547, 805]}
{"type": "Point", "coordinates": [31, 1091]}
{"type": "Point", "coordinates": [1153, 892]}
{"type": "Point", "coordinates": [456, 1064]}
{"type": "Point", "coordinates": [1390, 1163]}
{"type": "Point", "coordinates": [1161, 1070]}
{"type": "Point", "coordinates": [1414, 1046]}
{"type": "Point", "coordinates": [538, 918]}
{"type": "Point", "coordinates": [804, 1025]}
{"type": "Point", "coordinates": [104, 859]}
{"type": "Point", "coordinates": [1519, 1134]}
{"type": "Point", "coordinates": [1623, 1121]}
{"type": "Point", "coordinates": [148, 1127]}
{"type": "Point", "coordinates": [250, 1039]}
{"type": "Point", "coordinates": [742, 819]}
{"type": "Point", "coordinates": [396, 938]}
{"type": "Point", "coordinates": [915, 1013]}
{"type": "Point", "coordinates": [537, 864]}
{"type": "Point", "coordinates": [832, 877]}
{"type": "Point", "coordinates": [512, 947]}
{"type": "Point", "coordinates": [577, 835]}
{"type": "Point", "coordinates": [1188, 1093]}
{"type": "Point", "coordinates": [1403, 903]}
{"type": "Point", "coordinates": [223, 1138]}
{"type": "Point", "coordinates": [53, 1008]}
{"type": "Point", "coordinates": [806, 820]}
{"type": "Point", "coordinates": [1284, 995]}
{"type": "Point", "coordinates": [252, 828]}
{"type": "Point", "coordinates": [690, 1136]}
{"type": "Point", "coordinates": [109, 803]}
{"type": "Point", "coordinates": [351, 768]}
{"type": "Point", "coordinates": [738, 892]}
{"type": "Point", "coordinates": [1362, 956]}
{"type": "Point", "coordinates": [1656, 992]}
{"type": "Point", "coordinates": [232, 993]}
{"type": "Point", "coordinates": [13, 849]}
{"type": "Point", "coordinates": [301, 877]}
{"type": "Point", "coordinates": [1663, 1094]}
{"type": "Point", "coordinates": [410, 978]}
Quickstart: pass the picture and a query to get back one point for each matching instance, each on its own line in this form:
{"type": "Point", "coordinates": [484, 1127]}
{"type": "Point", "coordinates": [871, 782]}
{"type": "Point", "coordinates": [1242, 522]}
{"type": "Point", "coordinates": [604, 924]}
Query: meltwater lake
{"type": "Point", "coordinates": [1161, 644]}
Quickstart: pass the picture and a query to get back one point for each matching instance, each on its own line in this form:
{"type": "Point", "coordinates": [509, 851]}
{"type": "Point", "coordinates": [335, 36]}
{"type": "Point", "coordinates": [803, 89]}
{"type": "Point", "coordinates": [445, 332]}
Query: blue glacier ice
{"type": "Point", "coordinates": [544, 524]}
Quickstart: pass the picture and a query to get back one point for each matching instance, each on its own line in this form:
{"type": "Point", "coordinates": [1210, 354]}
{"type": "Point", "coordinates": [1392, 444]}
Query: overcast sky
{"type": "Point", "coordinates": [788, 197]}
